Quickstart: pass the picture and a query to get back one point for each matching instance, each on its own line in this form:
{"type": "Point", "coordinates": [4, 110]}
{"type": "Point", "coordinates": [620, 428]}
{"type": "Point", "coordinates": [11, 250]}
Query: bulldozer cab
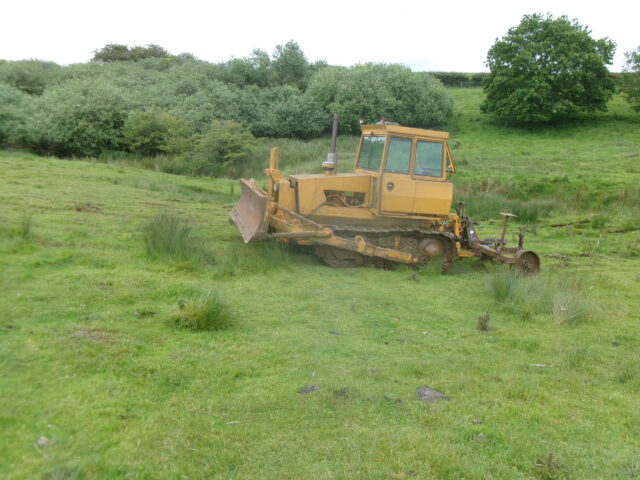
{"type": "Point", "coordinates": [408, 167]}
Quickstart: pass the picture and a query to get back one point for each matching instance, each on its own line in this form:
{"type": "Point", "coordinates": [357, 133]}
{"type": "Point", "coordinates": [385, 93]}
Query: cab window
{"type": "Point", "coordinates": [371, 152]}
{"type": "Point", "coordinates": [428, 159]}
{"type": "Point", "coordinates": [399, 155]}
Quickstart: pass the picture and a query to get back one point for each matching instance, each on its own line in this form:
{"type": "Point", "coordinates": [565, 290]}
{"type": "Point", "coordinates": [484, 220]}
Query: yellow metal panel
{"type": "Point", "coordinates": [286, 195]}
{"type": "Point", "coordinates": [432, 197]}
{"type": "Point", "coordinates": [396, 193]}
{"type": "Point", "coordinates": [344, 212]}
{"type": "Point", "coordinates": [311, 188]}
{"type": "Point", "coordinates": [397, 129]}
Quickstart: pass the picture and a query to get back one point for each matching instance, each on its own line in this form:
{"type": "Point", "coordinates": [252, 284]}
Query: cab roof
{"type": "Point", "coordinates": [384, 128]}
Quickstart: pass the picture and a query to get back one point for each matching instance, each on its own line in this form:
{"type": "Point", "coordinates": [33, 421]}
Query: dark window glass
{"type": "Point", "coordinates": [428, 159]}
{"type": "Point", "coordinates": [371, 153]}
{"type": "Point", "coordinates": [399, 155]}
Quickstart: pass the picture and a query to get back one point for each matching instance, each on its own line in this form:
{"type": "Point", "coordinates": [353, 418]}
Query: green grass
{"type": "Point", "coordinates": [588, 161]}
{"type": "Point", "coordinates": [91, 359]}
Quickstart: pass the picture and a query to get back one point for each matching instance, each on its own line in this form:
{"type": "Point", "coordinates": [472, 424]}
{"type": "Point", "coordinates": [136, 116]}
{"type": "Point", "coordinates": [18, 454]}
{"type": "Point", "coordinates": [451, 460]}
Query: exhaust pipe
{"type": "Point", "coordinates": [330, 164]}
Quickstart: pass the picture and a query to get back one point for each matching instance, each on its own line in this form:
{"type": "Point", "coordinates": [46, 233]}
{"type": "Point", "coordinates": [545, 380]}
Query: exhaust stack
{"type": "Point", "coordinates": [330, 164]}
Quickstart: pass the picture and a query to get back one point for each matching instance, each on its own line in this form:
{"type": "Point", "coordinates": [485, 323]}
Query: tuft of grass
{"type": "Point", "coordinates": [25, 227]}
{"type": "Point", "coordinates": [599, 221]}
{"type": "Point", "coordinates": [483, 323]}
{"type": "Point", "coordinates": [502, 284]}
{"type": "Point", "coordinates": [168, 237]}
{"type": "Point", "coordinates": [549, 467]}
{"type": "Point", "coordinates": [207, 312]}
{"type": "Point", "coordinates": [276, 255]}
{"type": "Point", "coordinates": [627, 372]}
{"type": "Point", "coordinates": [563, 299]}
{"type": "Point", "coordinates": [570, 306]}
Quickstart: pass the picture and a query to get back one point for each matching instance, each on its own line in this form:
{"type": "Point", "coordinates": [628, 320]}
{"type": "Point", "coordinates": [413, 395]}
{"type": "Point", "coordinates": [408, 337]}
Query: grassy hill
{"type": "Point", "coordinates": [98, 382]}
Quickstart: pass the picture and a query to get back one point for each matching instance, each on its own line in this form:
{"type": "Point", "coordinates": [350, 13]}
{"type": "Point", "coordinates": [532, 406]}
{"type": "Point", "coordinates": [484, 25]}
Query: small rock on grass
{"type": "Point", "coordinates": [481, 437]}
{"type": "Point", "coordinates": [308, 389]}
{"type": "Point", "coordinates": [42, 442]}
{"type": "Point", "coordinates": [429, 395]}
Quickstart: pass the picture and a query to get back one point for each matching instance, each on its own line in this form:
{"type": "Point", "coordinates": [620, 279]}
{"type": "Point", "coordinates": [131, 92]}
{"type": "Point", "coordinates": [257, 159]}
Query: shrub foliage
{"type": "Point", "coordinates": [374, 91]}
{"type": "Point", "coordinates": [82, 117]}
{"type": "Point", "coordinates": [114, 52]}
{"type": "Point", "coordinates": [15, 108]}
{"type": "Point", "coordinates": [224, 148]}
{"type": "Point", "coordinates": [155, 132]}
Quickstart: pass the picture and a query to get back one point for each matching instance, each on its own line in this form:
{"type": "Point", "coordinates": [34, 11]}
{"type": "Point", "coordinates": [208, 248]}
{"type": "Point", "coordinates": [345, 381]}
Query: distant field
{"type": "Point", "coordinates": [97, 382]}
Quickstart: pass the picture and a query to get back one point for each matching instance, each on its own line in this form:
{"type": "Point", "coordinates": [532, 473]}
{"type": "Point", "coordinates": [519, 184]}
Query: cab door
{"type": "Point", "coordinates": [433, 194]}
{"type": "Point", "coordinates": [397, 188]}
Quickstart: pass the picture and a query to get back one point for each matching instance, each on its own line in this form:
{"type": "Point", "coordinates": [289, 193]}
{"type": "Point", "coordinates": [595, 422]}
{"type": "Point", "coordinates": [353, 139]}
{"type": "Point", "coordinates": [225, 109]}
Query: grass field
{"type": "Point", "coordinates": [541, 376]}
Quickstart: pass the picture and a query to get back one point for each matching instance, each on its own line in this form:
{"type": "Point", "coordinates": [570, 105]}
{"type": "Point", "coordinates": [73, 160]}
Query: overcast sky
{"type": "Point", "coordinates": [425, 35]}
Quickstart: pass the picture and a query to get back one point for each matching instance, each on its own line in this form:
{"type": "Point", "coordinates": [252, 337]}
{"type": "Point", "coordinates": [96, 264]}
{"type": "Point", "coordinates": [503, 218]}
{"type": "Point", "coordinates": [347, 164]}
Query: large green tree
{"type": "Point", "coordinates": [631, 78]}
{"type": "Point", "coordinates": [547, 68]}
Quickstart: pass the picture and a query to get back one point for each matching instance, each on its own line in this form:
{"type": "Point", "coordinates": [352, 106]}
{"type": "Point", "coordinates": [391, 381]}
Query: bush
{"type": "Point", "coordinates": [114, 52]}
{"type": "Point", "coordinates": [154, 132]}
{"type": "Point", "coordinates": [30, 76]}
{"type": "Point", "coordinates": [285, 112]}
{"type": "Point", "coordinates": [208, 312]}
{"type": "Point", "coordinates": [374, 91]}
{"type": "Point", "coordinates": [547, 68]}
{"type": "Point", "coordinates": [15, 109]}
{"type": "Point", "coordinates": [199, 100]}
{"type": "Point", "coordinates": [82, 117]}
{"type": "Point", "coordinates": [224, 149]}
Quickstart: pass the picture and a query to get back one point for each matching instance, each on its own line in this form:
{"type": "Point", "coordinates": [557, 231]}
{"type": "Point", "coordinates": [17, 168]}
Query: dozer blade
{"type": "Point", "coordinates": [252, 215]}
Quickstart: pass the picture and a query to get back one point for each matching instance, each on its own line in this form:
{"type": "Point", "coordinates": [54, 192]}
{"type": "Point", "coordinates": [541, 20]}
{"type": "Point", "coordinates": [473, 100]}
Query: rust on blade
{"type": "Point", "coordinates": [251, 215]}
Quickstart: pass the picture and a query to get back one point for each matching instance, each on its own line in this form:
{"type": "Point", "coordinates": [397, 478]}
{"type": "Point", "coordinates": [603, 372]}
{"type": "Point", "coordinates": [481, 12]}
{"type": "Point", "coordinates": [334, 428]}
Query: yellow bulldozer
{"type": "Point", "coordinates": [395, 206]}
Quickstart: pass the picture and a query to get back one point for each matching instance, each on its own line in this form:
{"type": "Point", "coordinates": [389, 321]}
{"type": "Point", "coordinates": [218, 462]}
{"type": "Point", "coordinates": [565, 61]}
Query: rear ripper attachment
{"type": "Point", "coordinates": [395, 206]}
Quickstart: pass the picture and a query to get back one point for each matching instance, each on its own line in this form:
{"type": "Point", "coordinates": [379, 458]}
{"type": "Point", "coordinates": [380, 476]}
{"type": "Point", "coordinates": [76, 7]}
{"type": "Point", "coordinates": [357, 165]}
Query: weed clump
{"type": "Point", "coordinates": [549, 467]}
{"type": "Point", "coordinates": [563, 299]}
{"type": "Point", "coordinates": [168, 237]}
{"type": "Point", "coordinates": [570, 307]}
{"type": "Point", "coordinates": [26, 224]}
{"type": "Point", "coordinates": [207, 312]}
{"type": "Point", "coordinates": [483, 323]}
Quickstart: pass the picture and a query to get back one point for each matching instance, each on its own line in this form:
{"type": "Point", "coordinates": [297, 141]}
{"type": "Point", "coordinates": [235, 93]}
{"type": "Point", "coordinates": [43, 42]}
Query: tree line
{"type": "Point", "coordinates": [146, 101]}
